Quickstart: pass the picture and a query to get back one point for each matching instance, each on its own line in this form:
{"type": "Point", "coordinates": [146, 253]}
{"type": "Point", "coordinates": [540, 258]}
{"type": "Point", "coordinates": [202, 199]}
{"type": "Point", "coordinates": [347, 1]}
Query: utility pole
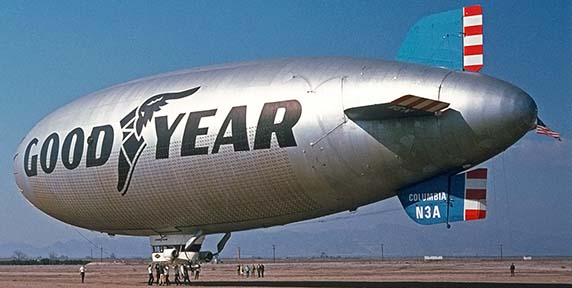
{"type": "Point", "coordinates": [91, 253]}
{"type": "Point", "coordinates": [500, 252]}
{"type": "Point", "coordinates": [100, 254]}
{"type": "Point", "coordinates": [381, 251]}
{"type": "Point", "coordinates": [238, 254]}
{"type": "Point", "coordinates": [273, 253]}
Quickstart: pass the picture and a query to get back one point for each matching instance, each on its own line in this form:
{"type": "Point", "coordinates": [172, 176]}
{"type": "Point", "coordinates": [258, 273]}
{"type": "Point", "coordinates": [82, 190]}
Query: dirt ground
{"type": "Point", "coordinates": [348, 273]}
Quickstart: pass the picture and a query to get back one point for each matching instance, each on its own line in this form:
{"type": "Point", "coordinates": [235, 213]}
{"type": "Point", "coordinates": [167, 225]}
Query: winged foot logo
{"type": "Point", "coordinates": [133, 142]}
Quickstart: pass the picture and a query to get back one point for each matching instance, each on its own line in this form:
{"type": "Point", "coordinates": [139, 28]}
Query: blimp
{"type": "Point", "coordinates": [224, 148]}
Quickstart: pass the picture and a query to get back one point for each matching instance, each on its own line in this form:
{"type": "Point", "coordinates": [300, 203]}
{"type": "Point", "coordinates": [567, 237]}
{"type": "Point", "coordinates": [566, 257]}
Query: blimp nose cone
{"type": "Point", "coordinates": [512, 112]}
{"type": "Point", "coordinates": [498, 113]}
{"type": "Point", "coordinates": [521, 112]}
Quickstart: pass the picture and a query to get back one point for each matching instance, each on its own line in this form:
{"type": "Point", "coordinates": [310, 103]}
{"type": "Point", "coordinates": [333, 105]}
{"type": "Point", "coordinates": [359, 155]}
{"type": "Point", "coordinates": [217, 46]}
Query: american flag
{"type": "Point", "coordinates": [541, 128]}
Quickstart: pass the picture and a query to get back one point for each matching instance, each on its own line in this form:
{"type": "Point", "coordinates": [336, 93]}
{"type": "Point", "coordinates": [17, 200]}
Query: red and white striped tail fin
{"type": "Point", "coordinates": [473, 38]}
{"type": "Point", "coordinates": [476, 194]}
{"type": "Point", "coordinates": [452, 39]}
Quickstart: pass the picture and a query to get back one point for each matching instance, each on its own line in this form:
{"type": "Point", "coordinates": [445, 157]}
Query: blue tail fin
{"type": "Point", "coordinates": [447, 198]}
{"type": "Point", "coordinates": [451, 39]}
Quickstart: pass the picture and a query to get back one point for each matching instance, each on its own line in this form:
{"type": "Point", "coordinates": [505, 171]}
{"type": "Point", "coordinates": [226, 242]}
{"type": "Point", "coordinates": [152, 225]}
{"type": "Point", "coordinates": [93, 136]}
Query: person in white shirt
{"type": "Point", "coordinates": [185, 272]}
{"type": "Point", "coordinates": [82, 272]}
{"type": "Point", "coordinates": [151, 278]}
{"type": "Point", "coordinates": [167, 275]}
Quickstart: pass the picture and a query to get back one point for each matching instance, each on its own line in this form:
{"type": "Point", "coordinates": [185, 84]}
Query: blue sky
{"type": "Point", "coordinates": [54, 52]}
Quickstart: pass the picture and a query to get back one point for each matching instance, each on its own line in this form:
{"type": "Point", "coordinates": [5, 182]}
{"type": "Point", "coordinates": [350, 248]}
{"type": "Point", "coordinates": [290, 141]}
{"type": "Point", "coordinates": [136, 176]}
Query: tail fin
{"type": "Point", "coordinates": [452, 39]}
{"type": "Point", "coordinates": [446, 199]}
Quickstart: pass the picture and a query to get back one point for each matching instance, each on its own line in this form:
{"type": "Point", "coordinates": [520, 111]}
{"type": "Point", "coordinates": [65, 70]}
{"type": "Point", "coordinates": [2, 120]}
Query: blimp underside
{"type": "Point", "coordinates": [242, 146]}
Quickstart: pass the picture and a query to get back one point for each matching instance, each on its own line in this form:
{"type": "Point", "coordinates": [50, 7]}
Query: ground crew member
{"type": "Point", "coordinates": [158, 272]}
{"type": "Point", "coordinates": [186, 275]}
{"type": "Point", "coordinates": [512, 269]}
{"type": "Point", "coordinates": [150, 271]}
{"type": "Point", "coordinates": [167, 275]}
{"type": "Point", "coordinates": [162, 271]}
{"type": "Point", "coordinates": [177, 281]}
{"type": "Point", "coordinates": [197, 272]}
{"type": "Point", "coordinates": [259, 270]}
{"type": "Point", "coordinates": [247, 270]}
{"type": "Point", "coordinates": [82, 272]}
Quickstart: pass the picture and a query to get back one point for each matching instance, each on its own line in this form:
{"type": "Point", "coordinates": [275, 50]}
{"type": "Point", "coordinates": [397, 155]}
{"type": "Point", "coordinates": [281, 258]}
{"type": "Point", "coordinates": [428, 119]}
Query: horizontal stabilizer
{"type": "Point", "coordinates": [447, 198]}
{"type": "Point", "coordinates": [405, 106]}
